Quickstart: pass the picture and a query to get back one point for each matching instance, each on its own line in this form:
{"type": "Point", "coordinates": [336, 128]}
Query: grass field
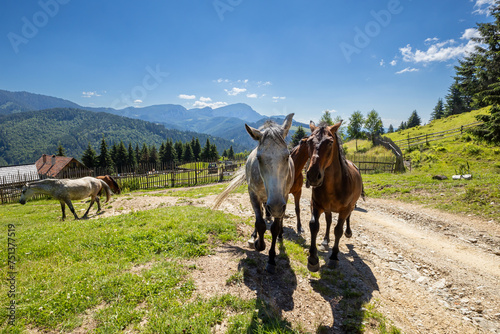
{"type": "Point", "coordinates": [460, 154]}
{"type": "Point", "coordinates": [130, 273]}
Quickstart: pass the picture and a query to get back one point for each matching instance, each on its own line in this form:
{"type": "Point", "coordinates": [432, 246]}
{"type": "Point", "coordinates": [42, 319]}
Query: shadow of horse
{"type": "Point", "coordinates": [273, 292]}
{"type": "Point", "coordinates": [347, 289]}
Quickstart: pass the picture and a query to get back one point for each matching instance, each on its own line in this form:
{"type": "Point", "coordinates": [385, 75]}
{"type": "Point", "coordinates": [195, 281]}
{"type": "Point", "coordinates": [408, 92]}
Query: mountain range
{"type": "Point", "coordinates": [24, 111]}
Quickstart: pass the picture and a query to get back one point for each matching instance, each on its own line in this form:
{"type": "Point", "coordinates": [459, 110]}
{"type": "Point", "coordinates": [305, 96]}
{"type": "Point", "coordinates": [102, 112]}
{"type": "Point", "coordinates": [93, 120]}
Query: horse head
{"type": "Point", "coordinates": [274, 162]}
{"type": "Point", "coordinates": [26, 194]}
{"type": "Point", "coordinates": [321, 146]}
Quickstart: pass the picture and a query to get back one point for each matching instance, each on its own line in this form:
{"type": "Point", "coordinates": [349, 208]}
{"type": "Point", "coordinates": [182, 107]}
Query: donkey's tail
{"type": "Point", "coordinates": [238, 180]}
{"type": "Point", "coordinates": [106, 188]}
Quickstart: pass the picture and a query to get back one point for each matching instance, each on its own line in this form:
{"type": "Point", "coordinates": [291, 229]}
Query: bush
{"type": "Point", "coordinates": [130, 184]}
{"type": "Point", "coordinates": [472, 149]}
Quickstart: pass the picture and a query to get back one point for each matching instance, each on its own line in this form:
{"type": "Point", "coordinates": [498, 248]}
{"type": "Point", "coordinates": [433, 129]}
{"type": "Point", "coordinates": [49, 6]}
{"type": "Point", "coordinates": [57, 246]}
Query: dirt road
{"type": "Point", "coordinates": [425, 270]}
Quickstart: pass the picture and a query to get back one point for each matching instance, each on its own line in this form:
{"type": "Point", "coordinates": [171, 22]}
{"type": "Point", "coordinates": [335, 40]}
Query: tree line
{"type": "Point", "coordinates": [119, 155]}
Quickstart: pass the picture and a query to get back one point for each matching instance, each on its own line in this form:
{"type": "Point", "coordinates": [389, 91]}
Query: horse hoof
{"type": "Point", "coordinates": [300, 231]}
{"type": "Point", "coordinates": [348, 234]}
{"type": "Point", "coordinates": [258, 246]}
{"type": "Point", "coordinates": [271, 268]}
{"type": "Point", "coordinates": [313, 267]}
{"type": "Point", "coordinates": [280, 239]}
{"type": "Point", "coordinates": [334, 264]}
{"type": "Point", "coordinates": [251, 242]}
{"type": "Point", "coordinates": [323, 248]}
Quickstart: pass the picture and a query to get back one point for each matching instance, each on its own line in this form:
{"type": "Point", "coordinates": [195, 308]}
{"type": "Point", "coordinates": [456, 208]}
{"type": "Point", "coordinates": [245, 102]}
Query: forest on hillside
{"type": "Point", "coordinates": [25, 136]}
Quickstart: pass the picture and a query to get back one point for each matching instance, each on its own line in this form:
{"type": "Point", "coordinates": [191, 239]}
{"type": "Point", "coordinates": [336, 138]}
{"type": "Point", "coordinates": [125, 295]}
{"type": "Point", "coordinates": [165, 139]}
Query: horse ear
{"type": "Point", "coordinates": [254, 133]}
{"type": "Point", "coordinates": [312, 126]}
{"type": "Point", "coordinates": [287, 124]}
{"type": "Point", "coordinates": [335, 127]}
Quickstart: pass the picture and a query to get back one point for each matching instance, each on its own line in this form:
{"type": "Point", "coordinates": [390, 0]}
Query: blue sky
{"type": "Point", "coordinates": [394, 56]}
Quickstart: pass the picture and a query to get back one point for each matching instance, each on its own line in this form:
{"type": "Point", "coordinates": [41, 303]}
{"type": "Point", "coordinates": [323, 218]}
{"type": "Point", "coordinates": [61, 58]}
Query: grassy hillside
{"type": "Point", "coordinates": [458, 154]}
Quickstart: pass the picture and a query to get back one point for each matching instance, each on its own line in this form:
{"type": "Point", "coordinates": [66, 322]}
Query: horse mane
{"type": "Point", "coordinates": [273, 130]}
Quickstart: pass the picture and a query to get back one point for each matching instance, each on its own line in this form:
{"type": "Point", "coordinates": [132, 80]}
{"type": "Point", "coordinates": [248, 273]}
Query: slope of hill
{"type": "Point", "coordinates": [13, 102]}
{"type": "Point", "coordinates": [25, 136]}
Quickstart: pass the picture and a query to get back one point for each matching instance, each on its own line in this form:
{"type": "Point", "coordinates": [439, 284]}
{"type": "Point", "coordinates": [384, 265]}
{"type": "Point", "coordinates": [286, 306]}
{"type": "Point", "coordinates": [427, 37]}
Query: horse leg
{"type": "Point", "coordinates": [313, 260]}
{"type": "Point", "coordinates": [338, 231]}
{"type": "Point", "coordinates": [276, 228]}
{"type": "Point", "coordinates": [260, 225]}
{"type": "Point", "coordinates": [348, 232]}
{"type": "Point", "coordinates": [63, 209]}
{"type": "Point", "coordinates": [92, 200]}
{"type": "Point", "coordinates": [296, 197]}
{"type": "Point", "coordinates": [326, 240]}
{"type": "Point", "coordinates": [98, 201]}
{"type": "Point", "coordinates": [70, 206]}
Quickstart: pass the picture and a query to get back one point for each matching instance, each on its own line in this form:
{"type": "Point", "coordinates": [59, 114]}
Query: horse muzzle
{"type": "Point", "coordinates": [277, 210]}
{"type": "Point", "coordinates": [22, 201]}
{"type": "Point", "coordinates": [315, 178]}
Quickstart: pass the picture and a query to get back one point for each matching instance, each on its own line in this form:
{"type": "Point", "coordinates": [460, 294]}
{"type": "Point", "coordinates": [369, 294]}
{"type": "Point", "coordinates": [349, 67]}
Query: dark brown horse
{"type": "Point", "coordinates": [337, 185]}
{"type": "Point", "coordinates": [299, 155]}
{"type": "Point", "coordinates": [111, 183]}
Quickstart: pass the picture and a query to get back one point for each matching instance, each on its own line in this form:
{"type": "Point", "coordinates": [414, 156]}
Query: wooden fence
{"type": "Point", "coordinates": [427, 138]}
{"type": "Point", "coordinates": [136, 178]}
{"type": "Point", "coordinates": [371, 164]}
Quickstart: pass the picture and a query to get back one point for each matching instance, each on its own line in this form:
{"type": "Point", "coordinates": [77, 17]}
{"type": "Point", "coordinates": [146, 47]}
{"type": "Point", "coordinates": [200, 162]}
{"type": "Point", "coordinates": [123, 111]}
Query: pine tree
{"type": "Point", "coordinates": [414, 120]}
{"type": "Point", "coordinates": [390, 129]}
{"type": "Point", "coordinates": [179, 150]}
{"type": "Point", "coordinates": [195, 145]}
{"type": "Point", "coordinates": [89, 157]}
{"type": "Point", "coordinates": [131, 157]}
{"type": "Point", "coordinates": [454, 102]}
{"type": "Point", "coordinates": [188, 155]}
{"type": "Point", "coordinates": [402, 126]}
{"type": "Point", "coordinates": [490, 129]}
{"type": "Point", "coordinates": [104, 159]}
{"type": "Point", "coordinates": [61, 152]}
{"type": "Point", "coordinates": [325, 118]}
{"type": "Point", "coordinates": [153, 155]}
{"type": "Point", "coordinates": [169, 156]}
{"type": "Point", "coordinates": [438, 112]}
{"type": "Point", "coordinates": [144, 155]}
{"type": "Point", "coordinates": [214, 154]}
{"type": "Point", "coordinates": [121, 155]}
{"type": "Point", "coordinates": [205, 152]}
{"type": "Point", "coordinates": [230, 153]}
{"type": "Point", "coordinates": [298, 135]}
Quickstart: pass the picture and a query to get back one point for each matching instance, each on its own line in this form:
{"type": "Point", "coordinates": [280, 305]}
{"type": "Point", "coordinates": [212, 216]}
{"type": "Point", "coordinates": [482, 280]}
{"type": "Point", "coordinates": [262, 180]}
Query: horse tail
{"type": "Point", "coordinates": [238, 180]}
{"type": "Point", "coordinates": [107, 189]}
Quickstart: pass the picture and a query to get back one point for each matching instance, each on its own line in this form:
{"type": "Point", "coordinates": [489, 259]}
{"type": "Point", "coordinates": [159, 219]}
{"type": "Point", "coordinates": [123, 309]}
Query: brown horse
{"type": "Point", "coordinates": [299, 155]}
{"type": "Point", "coordinates": [111, 183]}
{"type": "Point", "coordinates": [337, 185]}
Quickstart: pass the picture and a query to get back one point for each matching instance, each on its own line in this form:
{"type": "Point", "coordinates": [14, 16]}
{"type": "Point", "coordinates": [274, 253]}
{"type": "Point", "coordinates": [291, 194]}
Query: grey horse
{"type": "Point", "coordinates": [66, 190]}
{"type": "Point", "coordinates": [269, 172]}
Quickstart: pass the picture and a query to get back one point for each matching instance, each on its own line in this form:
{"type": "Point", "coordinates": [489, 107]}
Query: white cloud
{"type": "Point", "coordinates": [394, 62]}
{"type": "Point", "coordinates": [252, 96]}
{"type": "Point", "coordinates": [264, 83]}
{"type": "Point", "coordinates": [382, 63]}
{"type": "Point", "coordinates": [441, 51]}
{"type": "Point", "coordinates": [277, 98]}
{"type": "Point", "coordinates": [483, 6]}
{"type": "Point", "coordinates": [470, 33]}
{"type": "Point", "coordinates": [408, 69]}
{"type": "Point", "coordinates": [431, 40]}
{"type": "Point", "coordinates": [187, 97]}
{"type": "Point", "coordinates": [220, 80]}
{"type": "Point", "coordinates": [90, 94]}
{"type": "Point", "coordinates": [235, 91]}
{"type": "Point", "coordinates": [137, 101]}
{"type": "Point", "coordinates": [207, 102]}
